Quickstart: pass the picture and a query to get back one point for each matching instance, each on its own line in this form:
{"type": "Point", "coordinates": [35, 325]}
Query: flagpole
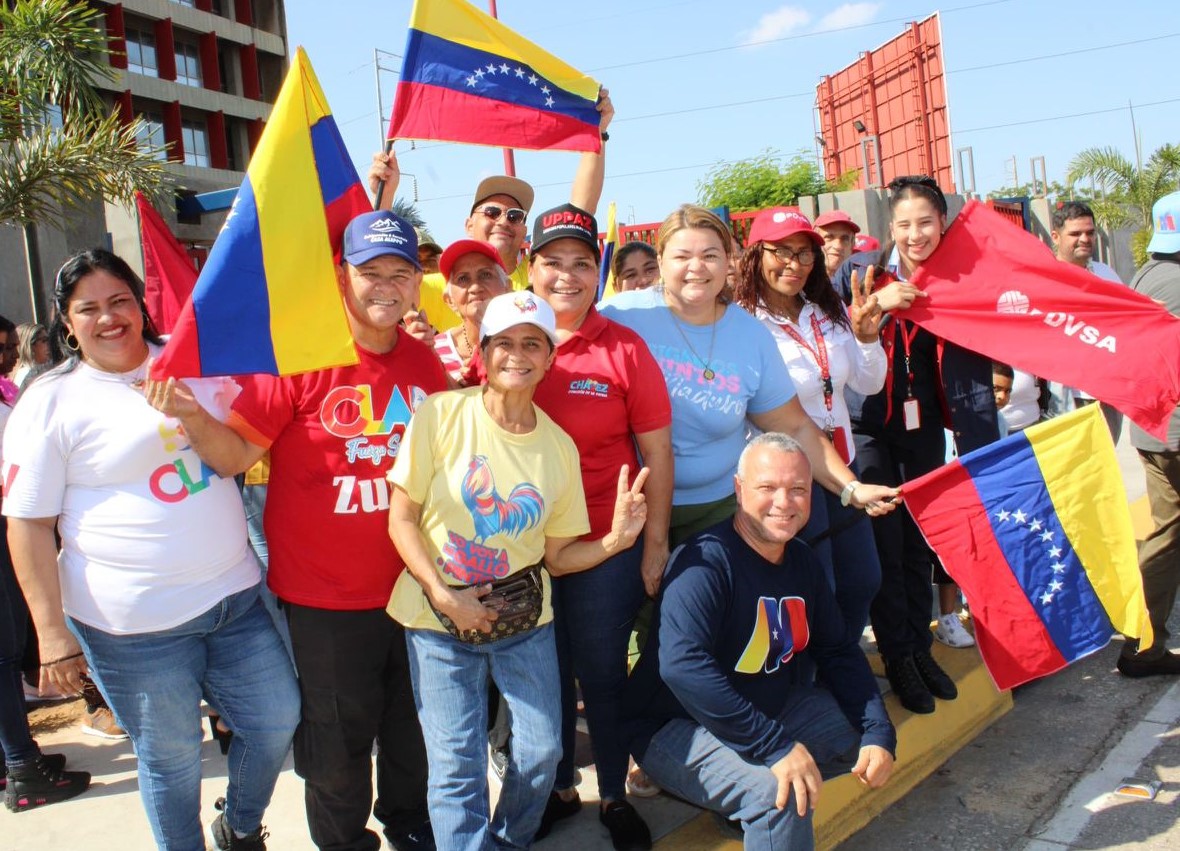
{"type": "Point", "coordinates": [509, 157]}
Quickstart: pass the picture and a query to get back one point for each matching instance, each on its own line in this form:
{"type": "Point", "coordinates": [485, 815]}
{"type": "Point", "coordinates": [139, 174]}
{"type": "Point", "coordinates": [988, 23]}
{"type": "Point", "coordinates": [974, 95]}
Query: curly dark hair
{"type": "Point", "coordinates": [751, 286]}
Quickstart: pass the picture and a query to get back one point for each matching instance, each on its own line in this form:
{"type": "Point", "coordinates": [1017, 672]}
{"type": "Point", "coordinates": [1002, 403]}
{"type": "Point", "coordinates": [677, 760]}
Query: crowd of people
{"type": "Point", "coordinates": [477, 526]}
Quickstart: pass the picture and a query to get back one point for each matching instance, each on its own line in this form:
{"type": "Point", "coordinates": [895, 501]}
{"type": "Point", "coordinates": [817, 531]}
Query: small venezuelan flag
{"type": "Point", "coordinates": [468, 78]}
{"type": "Point", "coordinates": [606, 274]}
{"type": "Point", "coordinates": [267, 300]}
{"type": "Point", "coordinates": [1036, 530]}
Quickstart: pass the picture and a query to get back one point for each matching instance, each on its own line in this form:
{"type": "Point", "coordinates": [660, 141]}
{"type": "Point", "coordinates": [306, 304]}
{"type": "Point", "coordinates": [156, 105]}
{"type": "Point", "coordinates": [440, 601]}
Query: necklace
{"type": "Point", "coordinates": [466, 342]}
{"type": "Point", "coordinates": [708, 374]}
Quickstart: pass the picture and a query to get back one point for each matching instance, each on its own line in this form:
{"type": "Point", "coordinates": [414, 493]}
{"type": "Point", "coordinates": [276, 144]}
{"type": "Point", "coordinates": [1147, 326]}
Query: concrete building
{"type": "Point", "coordinates": [203, 74]}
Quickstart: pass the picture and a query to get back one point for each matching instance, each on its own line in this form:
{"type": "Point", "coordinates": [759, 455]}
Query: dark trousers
{"type": "Point", "coordinates": [16, 743]}
{"type": "Point", "coordinates": [1159, 554]}
{"type": "Point", "coordinates": [593, 612]}
{"type": "Point", "coordinates": [901, 611]}
{"type": "Point", "coordinates": [355, 680]}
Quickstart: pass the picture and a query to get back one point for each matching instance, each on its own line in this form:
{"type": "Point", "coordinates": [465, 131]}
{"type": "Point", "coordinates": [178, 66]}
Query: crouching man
{"type": "Point", "coordinates": [723, 709]}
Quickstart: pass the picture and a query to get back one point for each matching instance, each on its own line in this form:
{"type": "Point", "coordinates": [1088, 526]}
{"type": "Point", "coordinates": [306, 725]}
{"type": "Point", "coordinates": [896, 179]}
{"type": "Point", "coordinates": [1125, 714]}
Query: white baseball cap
{"type": "Point", "coordinates": [518, 308]}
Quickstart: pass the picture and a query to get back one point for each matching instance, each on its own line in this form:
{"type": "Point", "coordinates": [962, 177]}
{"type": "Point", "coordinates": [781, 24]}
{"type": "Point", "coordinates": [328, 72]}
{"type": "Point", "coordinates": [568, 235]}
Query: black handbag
{"type": "Point", "coordinates": [517, 600]}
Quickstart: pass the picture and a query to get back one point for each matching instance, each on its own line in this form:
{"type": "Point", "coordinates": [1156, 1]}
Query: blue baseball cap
{"type": "Point", "coordinates": [1165, 217]}
{"type": "Point", "coordinates": [379, 233]}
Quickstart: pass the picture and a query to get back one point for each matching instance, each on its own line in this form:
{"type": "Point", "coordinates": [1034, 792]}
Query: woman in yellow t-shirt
{"type": "Point", "coordinates": [487, 497]}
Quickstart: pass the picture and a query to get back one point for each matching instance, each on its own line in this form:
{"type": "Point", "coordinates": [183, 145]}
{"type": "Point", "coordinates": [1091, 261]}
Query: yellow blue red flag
{"type": "Point", "coordinates": [1036, 530]}
{"type": "Point", "coordinates": [606, 273]}
{"type": "Point", "coordinates": [468, 78]}
{"type": "Point", "coordinates": [267, 300]}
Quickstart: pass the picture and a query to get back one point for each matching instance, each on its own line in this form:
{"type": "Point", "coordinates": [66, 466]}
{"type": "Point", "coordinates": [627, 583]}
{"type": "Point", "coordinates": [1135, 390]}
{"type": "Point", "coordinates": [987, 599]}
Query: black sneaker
{"type": "Point", "coordinates": [52, 761]}
{"type": "Point", "coordinates": [907, 684]}
{"type": "Point", "coordinates": [556, 809]}
{"type": "Point", "coordinates": [420, 838]}
{"type": "Point", "coordinates": [43, 782]}
{"type": "Point", "coordinates": [224, 838]}
{"type": "Point", "coordinates": [499, 759]}
{"type": "Point", "coordinates": [935, 678]}
{"type": "Point", "coordinates": [628, 832]}
{"type": "Point", "coordinates": [1134, 666]}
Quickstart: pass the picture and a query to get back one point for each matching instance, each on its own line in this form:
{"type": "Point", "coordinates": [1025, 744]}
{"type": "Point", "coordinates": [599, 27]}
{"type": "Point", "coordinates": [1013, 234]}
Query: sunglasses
{"type": "Point", "coordinates": [515, 215]}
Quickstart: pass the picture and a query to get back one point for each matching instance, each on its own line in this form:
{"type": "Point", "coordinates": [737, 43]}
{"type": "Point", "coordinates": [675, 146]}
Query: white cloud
{"type": "Point", "coordinates": [776, 24]}
{"type": "Point", "coordinates": [848, 15]}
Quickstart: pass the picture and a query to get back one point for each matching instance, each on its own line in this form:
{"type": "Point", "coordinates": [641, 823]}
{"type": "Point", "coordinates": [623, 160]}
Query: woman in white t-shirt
{"type": "Point", "coordinates": [155, 593]}
{"type": "Point", "coordinates": [826, 347]}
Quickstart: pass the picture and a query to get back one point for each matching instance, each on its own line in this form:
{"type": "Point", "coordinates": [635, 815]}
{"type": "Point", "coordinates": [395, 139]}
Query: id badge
{"type": "Point", "coordinates": [839, 438]}
{"type": "Point", "coordinates": [913, 418]}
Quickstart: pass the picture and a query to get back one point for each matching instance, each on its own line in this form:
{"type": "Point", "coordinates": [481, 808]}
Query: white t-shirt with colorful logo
{"type": "Point", "coordinates": [489, 497]}
{"type": "Point", "coordinates": [151, 536]}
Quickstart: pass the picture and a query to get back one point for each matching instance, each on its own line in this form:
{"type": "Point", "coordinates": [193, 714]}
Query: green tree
{"type": "Point", "coordinates": [1130, 191]}
{"type": "Point", "coordinates": [60, 144]}
{"type": "Point", "coordinates": [1055, 191]}
{"type": "Point", "coordinates": [767, 180]}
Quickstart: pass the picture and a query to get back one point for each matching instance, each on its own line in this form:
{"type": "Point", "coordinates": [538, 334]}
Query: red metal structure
{"type": "Point", "coordinates": [886, 114]}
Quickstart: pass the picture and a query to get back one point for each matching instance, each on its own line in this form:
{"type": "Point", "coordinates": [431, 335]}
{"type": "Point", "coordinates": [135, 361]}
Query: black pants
{"type": "Point", "coordinates": [354, 676]}
{"type": "Point", "coordinates": [1159, 553]}
{"type": "Point", "coordinates": [901, 611]}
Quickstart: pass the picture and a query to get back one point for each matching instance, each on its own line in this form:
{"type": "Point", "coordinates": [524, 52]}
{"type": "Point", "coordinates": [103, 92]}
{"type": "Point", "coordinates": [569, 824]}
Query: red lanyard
{"type": "Point", "coordinates": [887, 342]}
{"type": "Point", "coordinates": [820, 353]}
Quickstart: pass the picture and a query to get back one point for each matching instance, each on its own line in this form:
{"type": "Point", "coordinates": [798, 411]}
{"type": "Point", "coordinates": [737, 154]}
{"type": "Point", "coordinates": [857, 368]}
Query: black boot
{"type": "Point", "coordinates": [935, 678]}
{"type": "Point", "coordinates": [908, 686]}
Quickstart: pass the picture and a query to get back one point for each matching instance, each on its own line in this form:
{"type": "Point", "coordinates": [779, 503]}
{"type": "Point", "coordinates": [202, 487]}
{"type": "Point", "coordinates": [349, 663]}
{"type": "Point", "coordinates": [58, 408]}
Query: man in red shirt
{"type": "Point", "coordinates": [332, 436]}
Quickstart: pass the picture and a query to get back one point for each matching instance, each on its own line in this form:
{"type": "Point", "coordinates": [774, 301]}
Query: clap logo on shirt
{"type": "Point", "coordinates": [173, 482]}
{"type": "Point", "coordinates": [347, 412]}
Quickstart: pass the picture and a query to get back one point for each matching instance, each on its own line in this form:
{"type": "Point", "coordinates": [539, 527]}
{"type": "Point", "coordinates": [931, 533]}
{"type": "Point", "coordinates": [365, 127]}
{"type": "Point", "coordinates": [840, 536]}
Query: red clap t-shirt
{"type": "Point", "coordinates": [333, 435]}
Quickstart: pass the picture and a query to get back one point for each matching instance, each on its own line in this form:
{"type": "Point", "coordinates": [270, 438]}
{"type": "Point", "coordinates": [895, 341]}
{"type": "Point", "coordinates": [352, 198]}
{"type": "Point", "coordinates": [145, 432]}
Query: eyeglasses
{"type": "Point", "coordinates": [785, 255]}
{"type": "Point", "coordinates": [515, 215]}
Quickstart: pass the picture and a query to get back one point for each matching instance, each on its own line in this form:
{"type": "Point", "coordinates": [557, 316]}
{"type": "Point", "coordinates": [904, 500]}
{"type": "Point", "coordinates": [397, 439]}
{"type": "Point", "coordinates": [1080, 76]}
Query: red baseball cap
{"type": "Point", "coordinates": [777, 223]}
{"type": "Point", "coordinates": [836, 217]}
{"type": "Point", "coordinates": [864, 242]}
{"type": "Point", "coordinates": [463, 247]}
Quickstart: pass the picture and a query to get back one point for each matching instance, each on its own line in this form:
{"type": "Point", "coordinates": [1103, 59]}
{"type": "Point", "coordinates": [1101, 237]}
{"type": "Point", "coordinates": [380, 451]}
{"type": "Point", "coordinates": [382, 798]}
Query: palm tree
{"type": "Point", "coordinates": [1130, 191]}
{"type": "Point", "coordinates": [60, 145]}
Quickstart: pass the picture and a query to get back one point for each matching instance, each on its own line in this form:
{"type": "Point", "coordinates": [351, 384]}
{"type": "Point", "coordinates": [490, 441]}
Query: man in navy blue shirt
{"type": "Point", "coordinates": [724, 710]}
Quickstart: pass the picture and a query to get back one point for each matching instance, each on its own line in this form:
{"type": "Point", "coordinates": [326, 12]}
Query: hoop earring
{"type": "Point", "coordinates": [73, 347]}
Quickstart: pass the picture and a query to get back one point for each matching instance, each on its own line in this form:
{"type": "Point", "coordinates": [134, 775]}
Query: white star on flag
{"type": "Point", "coordinates": [1035, 526]}
{"type": "Point", "coordinates": [549, 101]}
{"type": "Point", "coordinates": [1019, 516]}
{"type": "Point", "coordinates": [1046, 598]}
{"type": "Point", "coordinates": [1003, 515]}
{"type": "Point", "coordinates": [544, 90]}
{"type": "Point", "coordinates": [1059, 568]}
{"type": "Point", "coordinates": [491, 69]}
{"type": "Point", "coordinates": [532, 79]}
{"type": "Point", "coordinates": [1047, 535]}
{"type": "Point", "coordinates": [504, 69]}
{"type": "Point", "coordinates": [519, 72]}
{"type": "Point", "coordinates": [479, 73]}
{"type": "Point", "coordinates": [1056, 585]}
{"type": "Point", "coordinates": [1054, 552]}
{"type": "Point", "coordinates": [471, 81]}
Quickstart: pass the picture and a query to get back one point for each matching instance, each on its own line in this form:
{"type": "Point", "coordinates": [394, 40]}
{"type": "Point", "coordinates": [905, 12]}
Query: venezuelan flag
{"type": "Point", "coordinates": [1036, 530]}
{"type": "Point", "coordinates": [780, 631]}
{"type": "Point", "coordinates": [267, 300]}
{"type": "Point", "coordinates": [606, 275]}
{"type": "Point", "coordinates": [468, 78]}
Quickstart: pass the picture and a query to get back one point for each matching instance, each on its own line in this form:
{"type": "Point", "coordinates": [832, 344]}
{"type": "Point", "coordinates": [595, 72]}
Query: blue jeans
{"type": "Point", "coordinates": [17, 747]}
{"type": "Point", "coordinates": [849, 556]}
{"type": "Point", "coordinates": [691, 763]}
{"type": "Point", "coordinates": [154, 682]}
{"type": "Point", "coordinates": [593, 612]}
{"type": "Point", "coordinates": [450, 687]}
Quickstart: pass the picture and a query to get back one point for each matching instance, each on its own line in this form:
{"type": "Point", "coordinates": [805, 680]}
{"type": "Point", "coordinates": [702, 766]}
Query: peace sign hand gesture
{"type": "Point", "coordinates": [865, 311]}
{"type": "Point", "coordinates": [630, 512]}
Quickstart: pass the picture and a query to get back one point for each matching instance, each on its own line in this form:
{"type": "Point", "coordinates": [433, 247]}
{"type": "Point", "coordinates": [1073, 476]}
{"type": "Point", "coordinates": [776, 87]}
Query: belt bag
{"type": "Point", "coordinates": [517, 600]}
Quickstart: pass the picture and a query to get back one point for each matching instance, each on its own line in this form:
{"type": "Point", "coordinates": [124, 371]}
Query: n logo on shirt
{"type": "Point", "coordinates": [780, 631]}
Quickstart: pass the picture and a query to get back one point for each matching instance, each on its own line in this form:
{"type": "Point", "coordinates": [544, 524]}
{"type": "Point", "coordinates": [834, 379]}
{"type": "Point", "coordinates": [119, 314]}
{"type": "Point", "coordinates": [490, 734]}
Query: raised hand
{"type": "Point", "coordinates": [630, 511]}
{"type": "Point", "coordinates": [865, 310]}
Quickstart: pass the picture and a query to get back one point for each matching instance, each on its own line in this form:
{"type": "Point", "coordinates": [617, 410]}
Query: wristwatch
{"type": "Point", "coordinates": [849, 490]}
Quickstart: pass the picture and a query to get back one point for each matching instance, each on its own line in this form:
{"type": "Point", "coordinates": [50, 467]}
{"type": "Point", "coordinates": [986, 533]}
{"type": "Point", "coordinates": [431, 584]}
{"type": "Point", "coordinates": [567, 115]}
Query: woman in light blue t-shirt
{"type": "Point", "coordinates": [723, 372]}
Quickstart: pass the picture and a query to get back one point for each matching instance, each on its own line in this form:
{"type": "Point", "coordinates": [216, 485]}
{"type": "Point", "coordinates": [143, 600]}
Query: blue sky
{"type": "Point", "coordinates": [678, 116]}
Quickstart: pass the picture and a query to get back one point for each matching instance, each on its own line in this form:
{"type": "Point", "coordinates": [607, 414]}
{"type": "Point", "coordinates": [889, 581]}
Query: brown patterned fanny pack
{"type": "Point", "coordinates": [517, 600]}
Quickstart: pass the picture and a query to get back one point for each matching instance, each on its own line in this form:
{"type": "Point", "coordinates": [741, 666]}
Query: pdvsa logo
{"type": "Point", "coordinates": [1015, 303]}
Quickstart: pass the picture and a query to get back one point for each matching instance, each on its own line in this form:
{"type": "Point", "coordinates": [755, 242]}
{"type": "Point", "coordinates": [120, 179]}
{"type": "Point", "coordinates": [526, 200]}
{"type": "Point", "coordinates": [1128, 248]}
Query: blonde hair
{"type": "Point", "coordinates": [692, 216]}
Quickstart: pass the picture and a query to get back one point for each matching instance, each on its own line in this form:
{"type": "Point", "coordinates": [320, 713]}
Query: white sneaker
{"type": "Point", "coordinates": [950, 632]}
